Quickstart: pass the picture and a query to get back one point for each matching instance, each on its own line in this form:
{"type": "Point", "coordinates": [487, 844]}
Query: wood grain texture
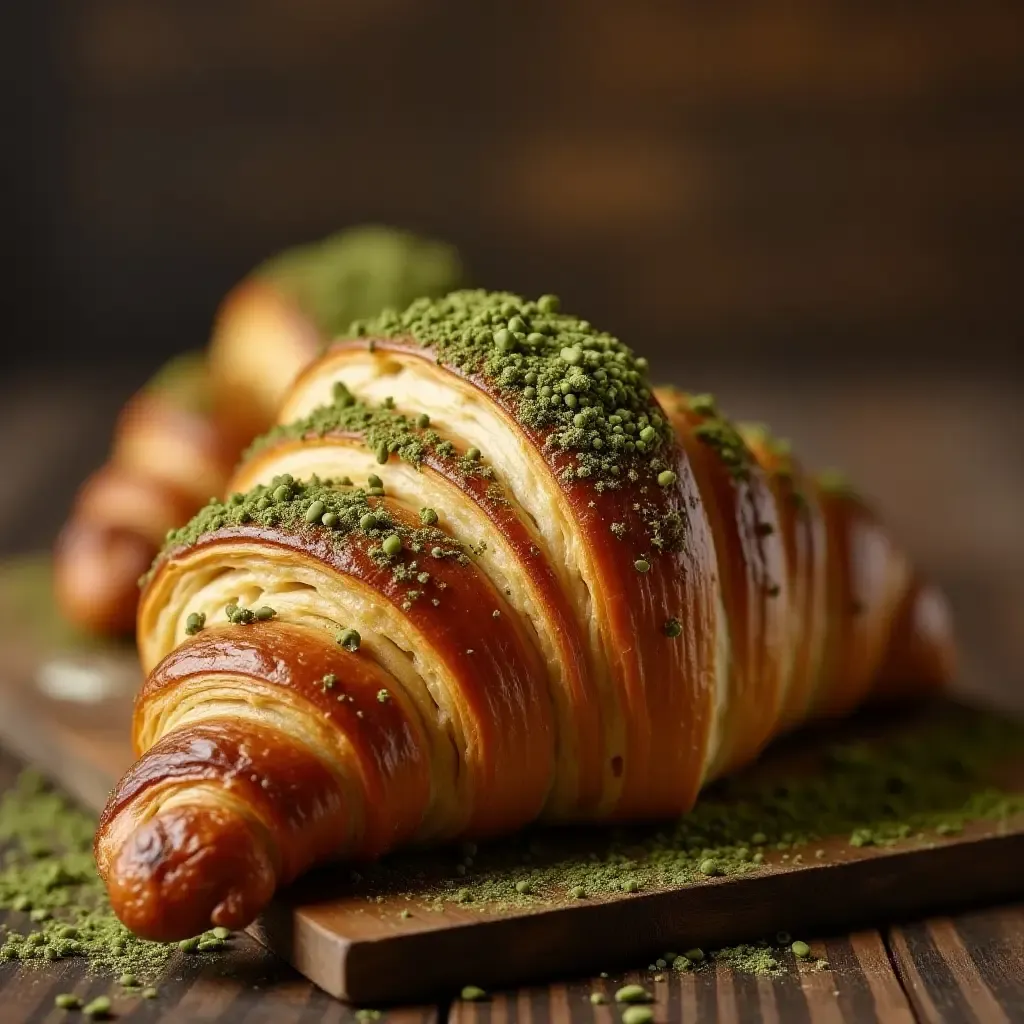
{"type": "Point", "coordinates": [968, 968]}
{"type": "Point", "coordinates": [859, 985]}
{"type": "Point", "coordinates": [243, 985]}
{"type": "Point", "coordinates": [364, 954]}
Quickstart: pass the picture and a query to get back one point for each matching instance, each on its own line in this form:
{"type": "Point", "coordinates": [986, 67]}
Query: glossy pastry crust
{"type": "Point", "coordinates": [180, 436]}
{"type": "Point", "coordinates": [655, 729]}
{"type": "Point", "coordinates": [586, 613]}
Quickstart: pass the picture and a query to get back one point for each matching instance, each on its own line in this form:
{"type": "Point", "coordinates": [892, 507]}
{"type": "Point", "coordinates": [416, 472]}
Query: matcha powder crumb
{"type": "Point", "coordinates": [748, 959]}
{"type": "Point", "coordinates": [48, 868]}
{"type": "Point", "coordinates": [584, 388]}
{"type": "Point", "coordinates": [340, 511]}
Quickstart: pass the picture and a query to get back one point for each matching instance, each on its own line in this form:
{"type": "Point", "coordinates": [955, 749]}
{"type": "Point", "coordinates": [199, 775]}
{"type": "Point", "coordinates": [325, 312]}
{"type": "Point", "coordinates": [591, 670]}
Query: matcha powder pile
{"type": "Point", "coordinates": [48, 879]}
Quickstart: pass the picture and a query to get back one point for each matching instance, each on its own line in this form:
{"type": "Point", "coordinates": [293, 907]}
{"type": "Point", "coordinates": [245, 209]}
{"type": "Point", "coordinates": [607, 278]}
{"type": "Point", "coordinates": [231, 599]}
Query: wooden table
{"type": "Point", "coordinates": [951, 447]}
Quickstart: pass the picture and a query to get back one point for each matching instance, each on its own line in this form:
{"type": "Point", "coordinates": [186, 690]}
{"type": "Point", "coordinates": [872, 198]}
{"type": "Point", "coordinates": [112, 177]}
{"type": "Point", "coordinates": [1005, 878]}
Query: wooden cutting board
{"type": "Point", "coordinates": [65, 706]}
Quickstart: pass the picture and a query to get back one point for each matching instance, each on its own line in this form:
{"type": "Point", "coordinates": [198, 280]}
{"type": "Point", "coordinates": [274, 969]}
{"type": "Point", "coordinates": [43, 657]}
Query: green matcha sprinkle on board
{"type": "Point", "coordinates": [49, 868]}
{"type": "Point", "coordinates": [284, 505]}
{"type": "Point", "coordinates": [758, 959]}
{"type": "Point", "coordinates": [383, 431]}
{"type": "Point", "coordinates": [584, 389]}
{"type": "Point", "coordinates": [357, 273]}
{"type": "Point", "coordinates": [910, 788]}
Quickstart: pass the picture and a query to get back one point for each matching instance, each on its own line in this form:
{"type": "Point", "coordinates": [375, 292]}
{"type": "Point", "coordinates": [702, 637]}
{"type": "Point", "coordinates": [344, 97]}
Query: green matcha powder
{"type": "Point", "coordinates": [58, 905]}
{"type": "Point", "coordinates": [913, 788]}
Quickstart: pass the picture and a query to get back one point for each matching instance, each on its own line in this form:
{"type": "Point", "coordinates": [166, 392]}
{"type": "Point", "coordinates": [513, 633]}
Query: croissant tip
{"type": "Point", "coordinates": [187, 869]}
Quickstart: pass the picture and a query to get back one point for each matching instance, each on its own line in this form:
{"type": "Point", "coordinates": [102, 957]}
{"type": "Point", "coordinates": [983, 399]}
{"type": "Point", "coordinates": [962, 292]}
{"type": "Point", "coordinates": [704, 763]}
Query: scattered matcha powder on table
{"type": "Point", "coordinates": [920, 782]}
{"type": "Point", "coordinates": [750, 959]}
{"type": "Point", "coordinates": [99, 1009]}
{"type": "Point", "coordinates": [48, 867]}
{"type": "Point", "coordinates": [637, 1015]}
{"type": "Point", "coordinates": [633, 994]}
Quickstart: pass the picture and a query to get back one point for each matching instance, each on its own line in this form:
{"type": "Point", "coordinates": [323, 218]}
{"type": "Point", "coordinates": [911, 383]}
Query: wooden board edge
{"type": "Point", "coordinates": [586, 939]}
{"type": "Point", "coordinates": [279, 928]}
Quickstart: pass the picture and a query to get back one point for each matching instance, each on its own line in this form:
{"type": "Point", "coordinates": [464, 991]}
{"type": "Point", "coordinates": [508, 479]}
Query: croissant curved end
{"type": "Point", "coordinates": [185, 870]}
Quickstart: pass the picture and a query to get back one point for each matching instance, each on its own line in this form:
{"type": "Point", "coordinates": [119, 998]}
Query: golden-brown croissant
{"type": "Point", "coordinates": [167, 457]}
{"type": "Point", "coordinates": [280, 317]}
{"type": "Point", "coordinates": [177, 440]}
{"type": "Point", "coordinates": [482, 574]}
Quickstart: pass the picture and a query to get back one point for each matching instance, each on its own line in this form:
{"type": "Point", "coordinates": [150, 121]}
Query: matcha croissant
{"type": "Point", "coordinates": [178, 438]}
{"type": "Point", "coordinates": [483, 574]}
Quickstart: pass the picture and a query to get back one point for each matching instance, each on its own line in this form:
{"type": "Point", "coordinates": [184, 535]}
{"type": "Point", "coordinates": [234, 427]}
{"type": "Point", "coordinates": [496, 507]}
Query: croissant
{"type": "Point", "coordinates": [285, 311]}
{"type": "Point", "coordinates": [482, 574]}
{"type": "Point", "coordinates": [166, 458]}
{"type": "Point", "coordinates": [177, 440]}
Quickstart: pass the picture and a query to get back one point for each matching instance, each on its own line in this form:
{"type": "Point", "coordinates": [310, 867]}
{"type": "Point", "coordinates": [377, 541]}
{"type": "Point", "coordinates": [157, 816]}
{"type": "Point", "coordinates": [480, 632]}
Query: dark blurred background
{"type": "Point", "coordinates": [814, 208]}
{"type": "Point", "coordinates": [822, 181]}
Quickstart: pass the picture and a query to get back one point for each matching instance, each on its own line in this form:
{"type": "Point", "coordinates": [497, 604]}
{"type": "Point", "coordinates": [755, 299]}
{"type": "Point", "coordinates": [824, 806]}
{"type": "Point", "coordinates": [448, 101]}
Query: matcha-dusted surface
{"type": "Point", "coordinates": [557, 372]}
{"type": "Point", "coordinates": [357, 272]}
{"type": "Point", "coordinates": [817, 800]}
{"type": "Point", "coordinates": [382, 429]}
{"type": "Point", "coordinates": [330, 508]}
{"type": "Point", "coordinates": [238, 981]}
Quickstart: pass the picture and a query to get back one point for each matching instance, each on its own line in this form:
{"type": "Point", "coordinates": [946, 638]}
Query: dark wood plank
{"type": "Point", "coordinates": [858, 985]}
{"type": "Point", "coordinates": [242, 985]}
{"type": "Point", "coordinates": [967, 968]}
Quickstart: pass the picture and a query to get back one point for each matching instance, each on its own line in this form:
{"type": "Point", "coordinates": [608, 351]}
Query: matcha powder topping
{"type": "Point", "coordinates": [383, 430]}
{"type": "Point", "coordinates": [584, 389]}
{"type": "Point", "coordinates": [288, 504]}
{"type": "Point", "coordinates": [49, 883]}
{"type": "Point", "coordinates": [357, 272]}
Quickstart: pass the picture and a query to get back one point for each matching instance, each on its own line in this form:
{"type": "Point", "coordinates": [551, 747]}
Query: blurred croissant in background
{"type": "Point", "coordinates": [178, 438]}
